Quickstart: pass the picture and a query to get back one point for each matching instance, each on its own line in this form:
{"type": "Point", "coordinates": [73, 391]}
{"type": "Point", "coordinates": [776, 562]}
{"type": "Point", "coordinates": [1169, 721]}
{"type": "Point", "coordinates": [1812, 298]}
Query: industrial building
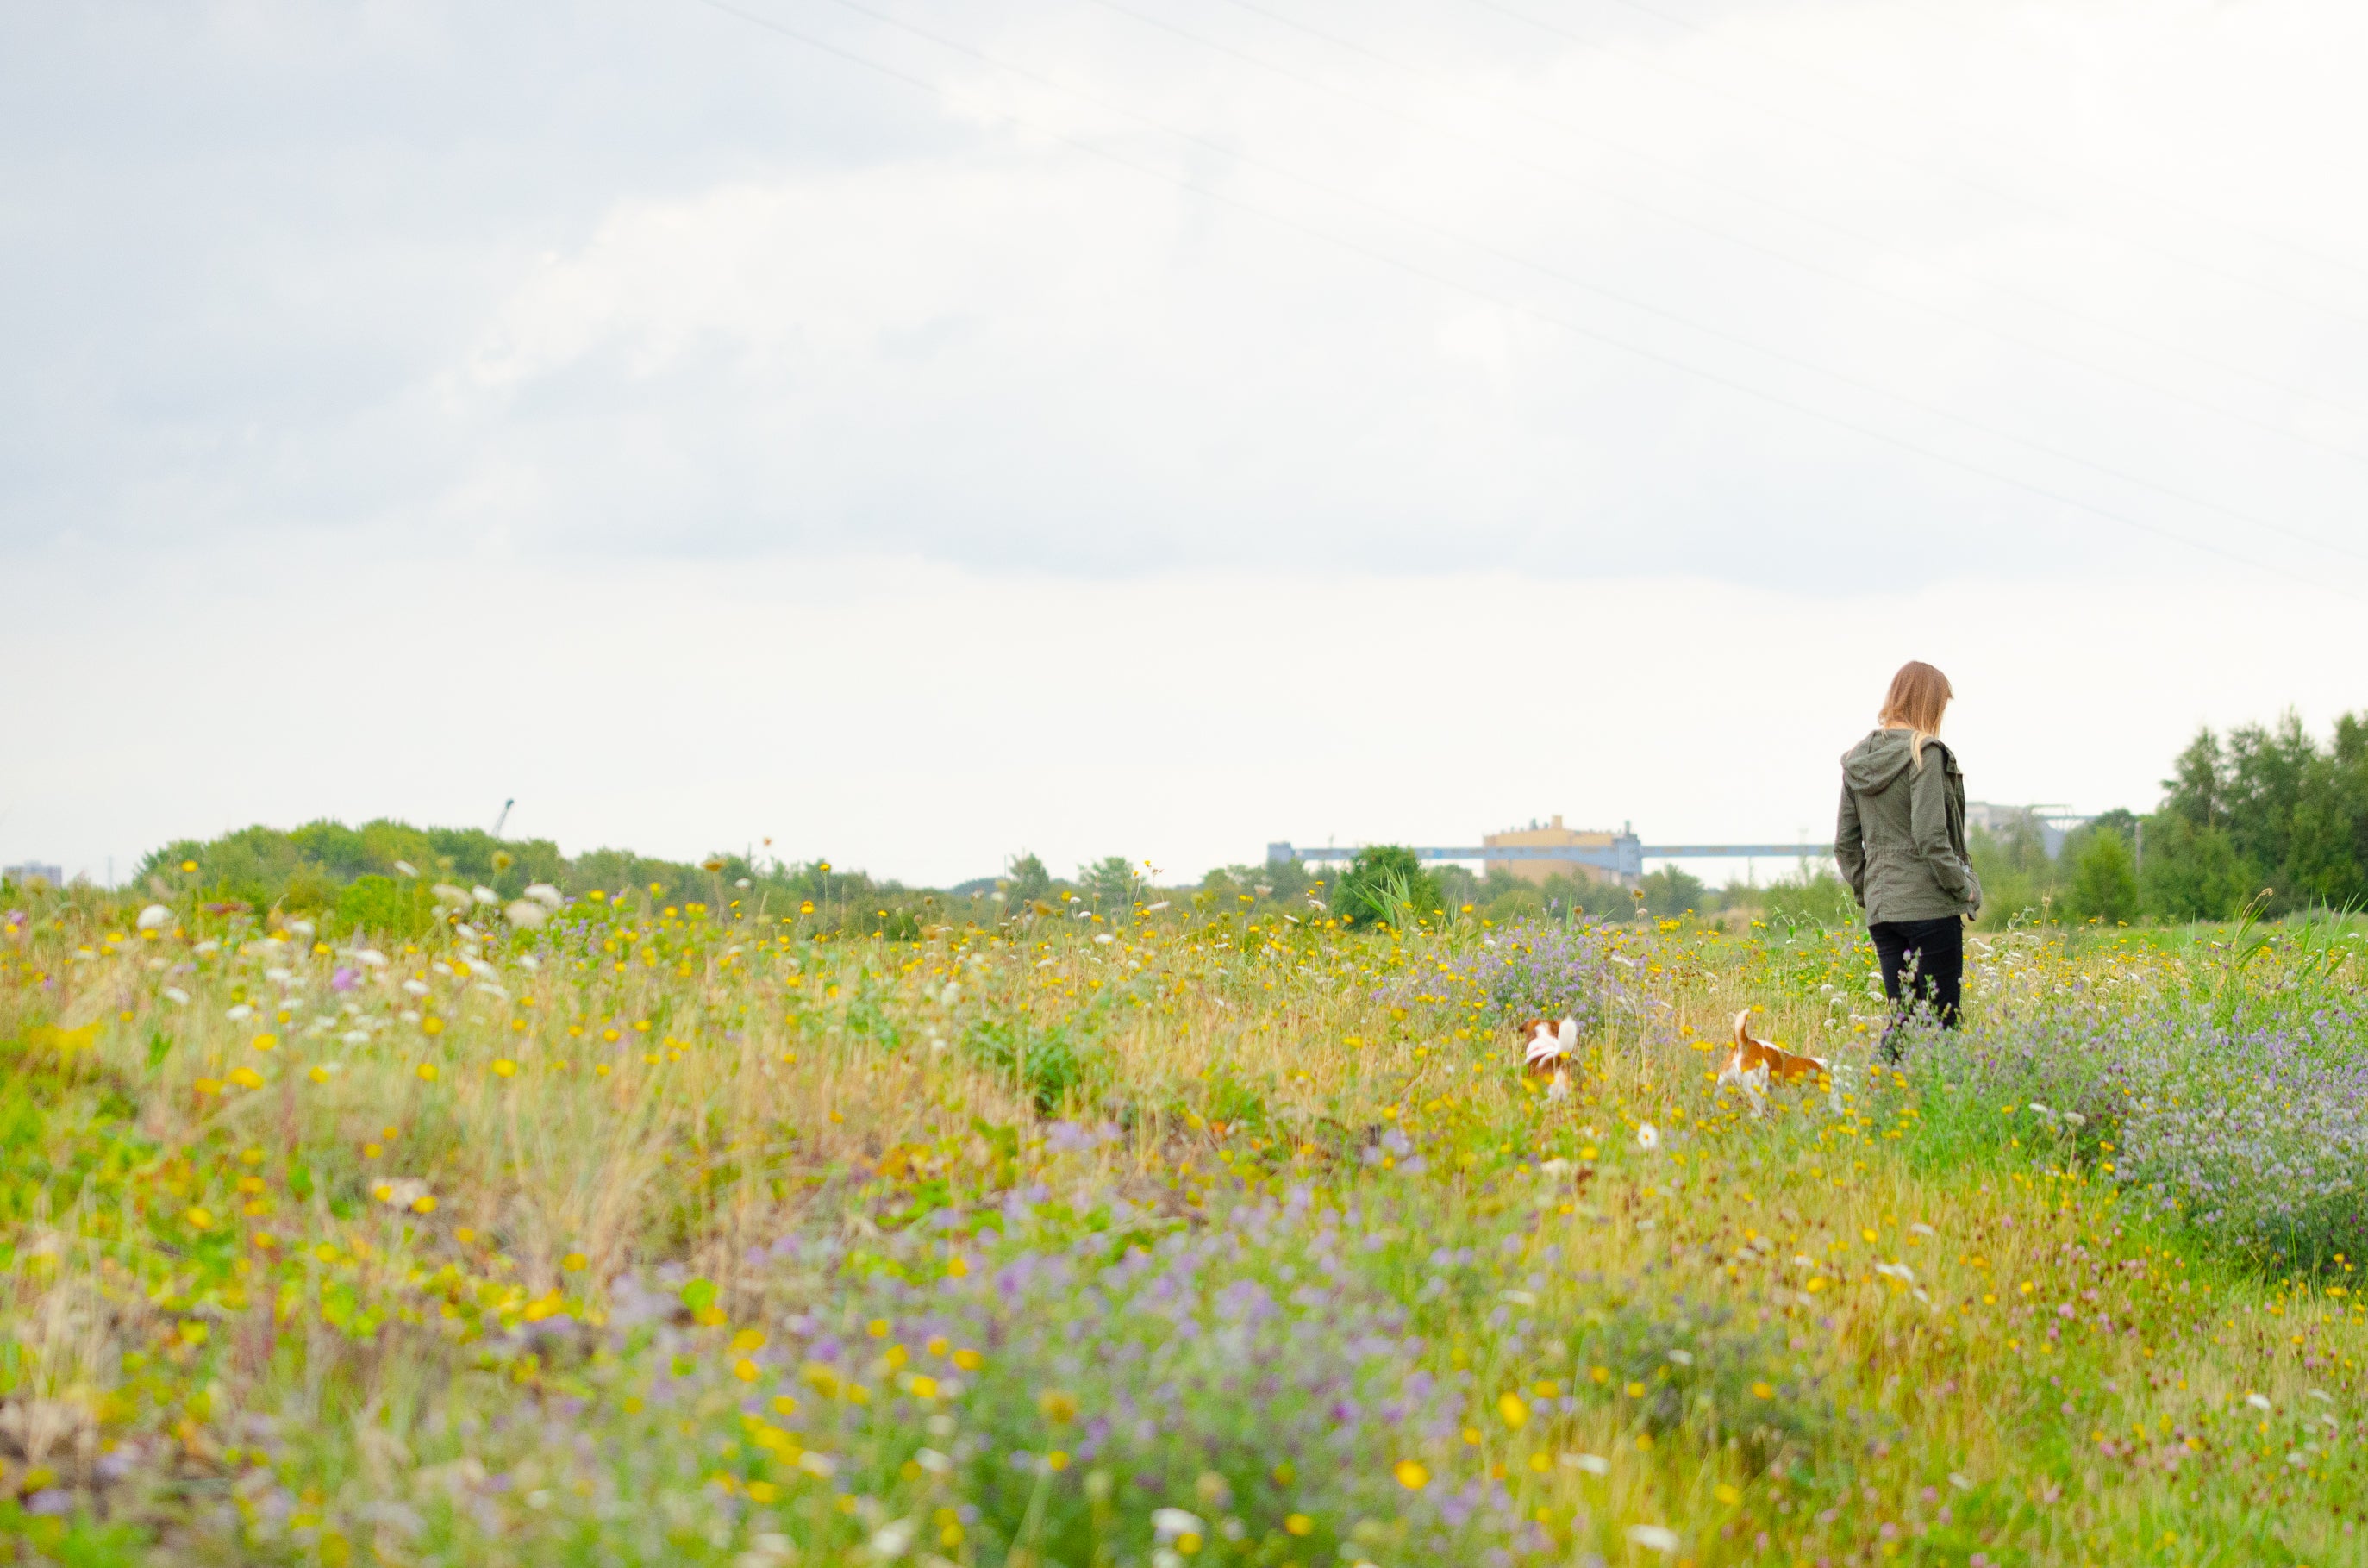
{"type": "Point", "coordinates": [1553, 836]}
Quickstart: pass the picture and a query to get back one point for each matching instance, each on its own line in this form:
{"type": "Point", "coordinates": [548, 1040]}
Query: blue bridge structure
{"type": "Point", "coordinates": [1623, 858]}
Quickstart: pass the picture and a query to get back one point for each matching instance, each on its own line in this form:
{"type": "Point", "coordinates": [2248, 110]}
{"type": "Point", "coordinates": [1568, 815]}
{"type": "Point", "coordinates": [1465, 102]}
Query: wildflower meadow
{"type": "Point", "coordinates": [590, 1227]}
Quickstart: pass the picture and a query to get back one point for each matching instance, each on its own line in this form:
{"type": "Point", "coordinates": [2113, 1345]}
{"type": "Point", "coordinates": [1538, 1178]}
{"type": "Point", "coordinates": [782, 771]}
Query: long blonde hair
{"type": "Point", "coordinates": [1918, 696]}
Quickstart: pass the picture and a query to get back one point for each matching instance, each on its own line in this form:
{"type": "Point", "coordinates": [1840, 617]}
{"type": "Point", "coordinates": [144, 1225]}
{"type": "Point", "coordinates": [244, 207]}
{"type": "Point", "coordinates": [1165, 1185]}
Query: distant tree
{"type": "Point", "coordinates": [1670, 891]}
{"type": "Point", "coordinates": [2192, 872]}
{"type": "Point", "coordinates": [1386, 886]}
{"type": "Point", "coordinates": [1025, 879]}
{"type": "Point", "coordinates": [2104, 884]}
{"type": "Point", "coordinates": [1112, 883]}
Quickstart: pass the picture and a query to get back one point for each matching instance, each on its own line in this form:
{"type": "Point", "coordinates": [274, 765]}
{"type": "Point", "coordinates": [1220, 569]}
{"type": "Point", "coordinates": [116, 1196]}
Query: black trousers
{"type": "Point", "coordinates": [1923, 969]}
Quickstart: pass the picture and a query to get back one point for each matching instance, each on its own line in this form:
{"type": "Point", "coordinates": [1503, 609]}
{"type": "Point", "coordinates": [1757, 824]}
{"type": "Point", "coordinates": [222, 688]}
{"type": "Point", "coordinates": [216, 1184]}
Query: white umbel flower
{"type": "Point", "coordinates": [156, 917]}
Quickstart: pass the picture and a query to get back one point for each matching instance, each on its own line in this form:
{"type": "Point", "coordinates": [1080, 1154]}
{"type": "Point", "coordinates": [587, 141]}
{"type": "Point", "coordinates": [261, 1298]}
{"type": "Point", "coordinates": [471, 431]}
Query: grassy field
{"type": "Point", "coordinates": [674, 1234]}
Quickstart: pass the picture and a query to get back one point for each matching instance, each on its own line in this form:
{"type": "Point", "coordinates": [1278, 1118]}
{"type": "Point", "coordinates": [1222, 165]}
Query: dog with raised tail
{"type": "Point", "coordinates": [1756, 1063]}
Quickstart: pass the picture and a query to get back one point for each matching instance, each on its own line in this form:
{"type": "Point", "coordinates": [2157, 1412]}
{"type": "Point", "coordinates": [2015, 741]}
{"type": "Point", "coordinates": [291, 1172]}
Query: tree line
{"type": "Point", "coordinates": [2264, 811]}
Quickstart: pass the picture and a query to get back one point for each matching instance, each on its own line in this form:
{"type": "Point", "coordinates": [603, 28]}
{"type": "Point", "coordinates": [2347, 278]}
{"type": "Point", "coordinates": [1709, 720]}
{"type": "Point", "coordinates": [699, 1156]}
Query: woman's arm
{"type": "Point", "coordinates": [1928, 823]}
{"type": "Point", "coordinates": [1849, 846]}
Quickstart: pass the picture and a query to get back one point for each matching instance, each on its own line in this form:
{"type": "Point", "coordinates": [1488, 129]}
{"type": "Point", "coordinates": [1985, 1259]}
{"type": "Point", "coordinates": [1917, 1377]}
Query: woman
{"type": "Point", "coordinates": [1901, 842]}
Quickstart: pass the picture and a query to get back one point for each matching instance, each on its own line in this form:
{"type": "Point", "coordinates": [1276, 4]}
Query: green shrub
{"type": "Point", "coordinates": [1386, 886]}
{"type": "Point", "coordinates": [384, 907]}
{"type": "Point", "coordinates": [1050, 1065]}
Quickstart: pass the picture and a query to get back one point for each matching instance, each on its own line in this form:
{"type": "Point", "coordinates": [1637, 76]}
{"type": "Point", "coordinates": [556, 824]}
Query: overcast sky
{"type": "Point", "coordinates": [917, 431]}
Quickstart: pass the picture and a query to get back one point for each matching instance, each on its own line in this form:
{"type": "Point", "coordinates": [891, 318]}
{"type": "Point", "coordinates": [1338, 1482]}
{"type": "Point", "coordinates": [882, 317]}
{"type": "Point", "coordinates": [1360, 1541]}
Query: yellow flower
{"type": "Point", "coordinates": [574, 1263]}
{"type": "Point", "coordinates": [265, 1041]}
{"type": "Point", "coordinates": [957, 1267]}
{"type": "Point", "coordinates": [744, 1370]}
{"type": "Point", "coordinates": [504, 1068]}
{"type": "Point", "coordinates": [969, 1360]}
{"type": "Point", "coordinates": [1411, 1474]}
{"type": "Point", "coordinates": [762, 1492]}
{"type": "Point", "coordinates": [936, 1345]}
{"type": "Point", "coordinates": [318, 1073]}
{"type": "Point", "coordinates": [246, 1077]}
{"type": "Point", "coordinates": [1726, 1494]}
{"type": "Point", "coordinates": [1298, 1524]}
{"type": "Point", "coordinates": [1056, 1461]}
{"type": "Point", "coordinates": [1762, 1391]}
{"type": "Point", "coordinates": [199, 1218]}
{"type": "Point", "coordinates": [424, 1204]}
{"type": "Point", "coordinates": [1511, 1407]}
{"type": "Point", "coordinates": [431, 1024]}
{"type": "Point", "coordinates": [924, 1388]}
{"type": "Point", "coordinates": [1059, 1408]}
{"type": "Point", "coordinates": [427, 1069]}
{"type": "Point", "coordinates": [748, 1339]}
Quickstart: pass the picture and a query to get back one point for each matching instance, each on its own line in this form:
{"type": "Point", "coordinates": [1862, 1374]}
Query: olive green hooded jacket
{"type": "Point", "coordinates": [1901, 834]}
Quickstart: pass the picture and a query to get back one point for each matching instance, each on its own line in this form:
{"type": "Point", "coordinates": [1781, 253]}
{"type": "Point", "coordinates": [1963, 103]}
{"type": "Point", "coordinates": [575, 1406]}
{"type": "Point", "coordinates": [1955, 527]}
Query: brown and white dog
{"type": "Point", "coordinates": [1756, 1063]}
{"type": "Point", "coordinates": [1550, 1052]}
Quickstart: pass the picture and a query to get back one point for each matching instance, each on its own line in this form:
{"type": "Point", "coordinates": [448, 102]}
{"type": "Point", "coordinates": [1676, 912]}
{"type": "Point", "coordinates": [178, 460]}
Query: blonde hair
{"type": "Point", "coordinates": [1918, 696]}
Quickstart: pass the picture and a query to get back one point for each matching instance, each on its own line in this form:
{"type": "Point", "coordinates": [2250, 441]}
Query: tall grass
{"type": "Point", "coordinates": [664, 1235]}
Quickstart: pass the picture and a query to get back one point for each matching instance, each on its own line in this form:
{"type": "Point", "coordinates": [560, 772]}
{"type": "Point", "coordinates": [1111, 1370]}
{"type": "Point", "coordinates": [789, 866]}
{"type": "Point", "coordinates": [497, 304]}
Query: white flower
{"type": "Point", "coordinates": [301, 928]}
{"type": "Point", "coordinates": [206, 949]}
{"type": "Point", "coordinates": [894, 1539]}
{"type": "Point", "coordinates": [1594, 1464]}
{"type": "Point", "coordinates": [1556, 1167]}
{"type": "Point", "coordinates": [526, 913]}
{"type": "Point", "coordinates": [1654, 1537]}
{"type": "Point", "coordinates": [1104, 938]}
{"type": "Point", "coordinates": [484, 894]}
{"type": "Point", "coordinates": [447, 893]}
{"type": "Point", "coordinates": [356, 1037]}
{"type": "Point", "coordinates": [951, 995]}
{"type": "Point", "coordinates": [546, 895]}
{"type": "Point", "coordinates": [529, 962]}
{"type": "Point", "coordinates": [2258, 1401]}
{"type": "Point", "coordinates": [370, 958]}
{"type": "Point", "coordinates": [156, 917]}
{"type": "Point", "coordinates": [1173, 1522]}
{"type": "Point", "coordinates": [1647, 1135]}
{"type": "Point", "coordinates": [1155, 908]}
{"type": "Point", "coordinates": [743, 882]}
{"type": "Point", "coordinates": [239, 1013]}
{"type": "Point", "coordinates": [415, 987]}
{"type": "Point", "coordinates": [176, 996]}
{"type": "Point", "coordinates": [406, 868]}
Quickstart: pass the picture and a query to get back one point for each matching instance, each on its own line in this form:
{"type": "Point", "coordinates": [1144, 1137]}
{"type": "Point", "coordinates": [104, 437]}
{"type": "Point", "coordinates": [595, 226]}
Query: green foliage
{"type": "Point", "coordinates": [386, 906]}
{"type": "Point", "coordinates": [2104, 883]}
{"type": "Point", "coordinates": [1053, 1065]}
{"type": "Point", "coordinates": [2267, 808]}
{"type": "Point", "coordinates": [1112, 883]}
{"type": "Point", "coordinates": [1386, 886]}
{"type": "Point", "coordinates": [1026, 880]}
{"type": "Point", "coordinates": [1815, 897]}
{"type": "Point", "coordinates": [1672, 891]}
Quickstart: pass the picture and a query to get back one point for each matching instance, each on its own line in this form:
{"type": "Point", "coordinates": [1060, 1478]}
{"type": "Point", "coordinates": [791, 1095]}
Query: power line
{"type": "Point", "coordinates": [1416, 269]}
{"type": "Point", "coordinates": [1968, 181]}
{"type": "Point", "coordinates": [2074, 166]}
{"type": "Point", "coordinates": [1744, 242]}
{"type": "Point", "coordinates": [1628, 301]}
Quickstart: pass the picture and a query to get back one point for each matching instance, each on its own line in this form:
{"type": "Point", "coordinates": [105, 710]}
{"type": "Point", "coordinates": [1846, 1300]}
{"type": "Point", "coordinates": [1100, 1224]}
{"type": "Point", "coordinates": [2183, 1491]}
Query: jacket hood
{"type": "Point", "coordinates": [1883, 756]}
